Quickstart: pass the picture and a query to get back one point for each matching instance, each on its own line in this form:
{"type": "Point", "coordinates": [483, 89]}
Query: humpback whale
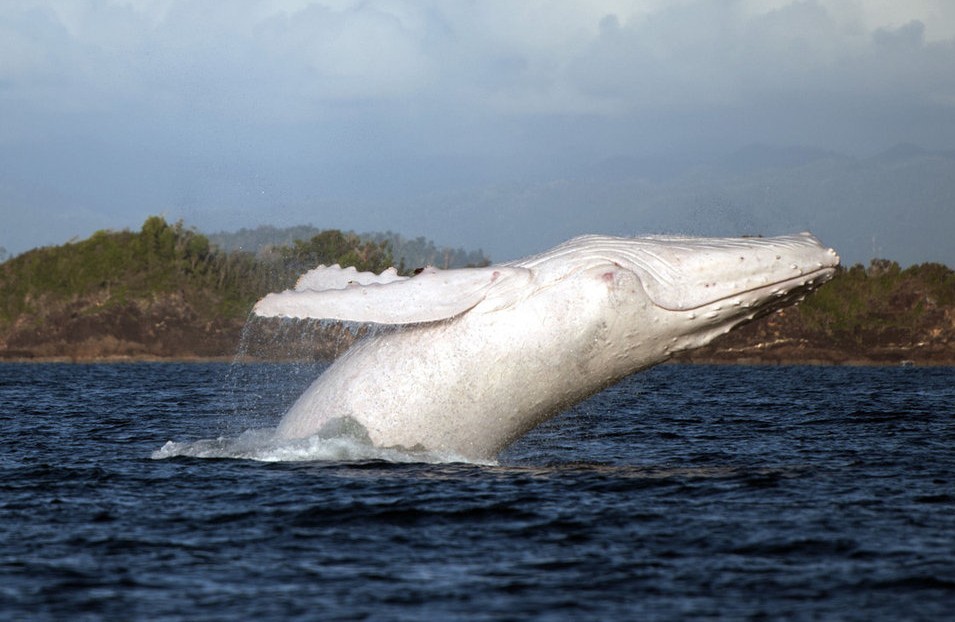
{"type": "Point", "coordinates": [471, 359]}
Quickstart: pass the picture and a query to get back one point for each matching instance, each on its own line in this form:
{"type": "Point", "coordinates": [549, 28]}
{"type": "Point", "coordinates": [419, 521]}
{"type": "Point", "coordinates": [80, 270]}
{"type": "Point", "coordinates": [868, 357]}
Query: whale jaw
{"type": "Point", "coordinates": [726, 314]}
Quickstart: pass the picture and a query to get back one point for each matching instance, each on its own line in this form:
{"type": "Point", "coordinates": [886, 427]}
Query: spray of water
{"type": "Point", "coordinates": [262, 445]}
{"type": "Point", "coordinates": [276, 359]}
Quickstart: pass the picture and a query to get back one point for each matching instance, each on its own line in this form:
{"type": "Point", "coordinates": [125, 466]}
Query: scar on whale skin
{"type": "Point", "coordinates": [486, 354]}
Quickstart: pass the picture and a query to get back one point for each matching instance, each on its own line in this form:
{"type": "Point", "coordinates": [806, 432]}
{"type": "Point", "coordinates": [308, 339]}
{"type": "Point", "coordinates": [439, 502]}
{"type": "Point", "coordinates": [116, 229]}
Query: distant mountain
{"type": "Point", "coordinates": [409, 253]}
{"type": "Point", "coordinates": [898, 204]}
{"type": "Point", "coordinates": [904, 151]}
{"type": "Point", "coordinates": [755, 158]}
{"type": "Point", "coordinates": [261, 238]}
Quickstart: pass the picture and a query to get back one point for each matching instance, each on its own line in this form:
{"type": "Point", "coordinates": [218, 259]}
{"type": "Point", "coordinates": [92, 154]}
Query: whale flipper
{"type": "Point", "coordinates": [334, 293]}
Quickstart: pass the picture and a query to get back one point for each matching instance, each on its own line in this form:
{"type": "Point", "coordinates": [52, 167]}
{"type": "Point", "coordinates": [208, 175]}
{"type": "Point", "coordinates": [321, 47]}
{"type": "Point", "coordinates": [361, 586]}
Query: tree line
{"type": "Point", "coordinates": [112, 268]}
{"type": "Point", "coordinates": [883, 304]}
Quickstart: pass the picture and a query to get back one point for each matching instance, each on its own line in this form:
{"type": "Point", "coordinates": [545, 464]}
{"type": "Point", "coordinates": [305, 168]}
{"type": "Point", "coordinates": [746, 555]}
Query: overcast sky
{"type": "Point", "coordinates": [340, 113]}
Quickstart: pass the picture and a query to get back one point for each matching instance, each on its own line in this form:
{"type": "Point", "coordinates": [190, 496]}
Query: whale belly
{"type": "Point", "coordinates": [471, 385]}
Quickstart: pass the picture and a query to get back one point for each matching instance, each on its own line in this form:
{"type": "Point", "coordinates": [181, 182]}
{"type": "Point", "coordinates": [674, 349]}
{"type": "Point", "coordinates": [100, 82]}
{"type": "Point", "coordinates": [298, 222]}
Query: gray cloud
{"type": "Point", "coordinates": [253, 111]}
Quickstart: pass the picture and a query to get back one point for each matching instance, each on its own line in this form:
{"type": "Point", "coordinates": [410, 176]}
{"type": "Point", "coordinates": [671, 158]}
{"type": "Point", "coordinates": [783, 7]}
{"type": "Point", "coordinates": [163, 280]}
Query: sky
{"type": "Point", "coordinates": [395, 115]}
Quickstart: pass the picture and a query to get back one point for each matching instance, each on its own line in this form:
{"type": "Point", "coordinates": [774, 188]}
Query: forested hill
{"type": "Point", "coordinates": [164, 291]}
{"type": "Point", "coordinates": [168, 292]}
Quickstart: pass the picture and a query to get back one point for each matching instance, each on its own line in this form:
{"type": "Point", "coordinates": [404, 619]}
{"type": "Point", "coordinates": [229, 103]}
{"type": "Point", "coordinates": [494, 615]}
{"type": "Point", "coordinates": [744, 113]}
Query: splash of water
{"type": "Point", "coordinates": [276, 359]}
{"type": "Point", "coordinates": [263, 445]}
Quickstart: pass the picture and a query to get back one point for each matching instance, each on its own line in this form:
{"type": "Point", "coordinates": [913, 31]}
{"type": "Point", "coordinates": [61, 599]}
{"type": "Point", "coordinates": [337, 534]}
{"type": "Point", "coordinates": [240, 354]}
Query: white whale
{"type": "Point", "coordinates": [486, 354]}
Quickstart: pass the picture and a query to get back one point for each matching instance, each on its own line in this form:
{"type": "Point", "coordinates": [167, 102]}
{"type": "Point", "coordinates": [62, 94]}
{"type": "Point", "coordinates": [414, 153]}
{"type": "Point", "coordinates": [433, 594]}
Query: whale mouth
{"type": "Point", "coordinates": [764, 295]}
{"type": "Point", "coordinates": [751, 296]}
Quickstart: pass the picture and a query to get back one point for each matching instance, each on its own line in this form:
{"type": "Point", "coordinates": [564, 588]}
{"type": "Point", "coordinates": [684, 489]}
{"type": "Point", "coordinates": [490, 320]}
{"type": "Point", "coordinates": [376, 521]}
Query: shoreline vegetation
{"type": "Point", "coordinates": [168, 293]}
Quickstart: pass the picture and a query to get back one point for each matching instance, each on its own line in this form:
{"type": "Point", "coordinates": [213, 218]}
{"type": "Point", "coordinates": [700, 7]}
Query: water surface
{"type": "Point", "coordinates": [686, 492]}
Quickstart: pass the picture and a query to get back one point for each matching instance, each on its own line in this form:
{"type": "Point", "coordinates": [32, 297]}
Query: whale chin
{"type": "Point", "coordinates": [483, 355]}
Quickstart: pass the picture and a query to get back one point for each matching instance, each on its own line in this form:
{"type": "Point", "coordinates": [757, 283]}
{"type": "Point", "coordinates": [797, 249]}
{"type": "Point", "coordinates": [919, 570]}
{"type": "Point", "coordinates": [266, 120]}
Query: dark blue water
{"type": "Point", "coordinates": [685, 493]}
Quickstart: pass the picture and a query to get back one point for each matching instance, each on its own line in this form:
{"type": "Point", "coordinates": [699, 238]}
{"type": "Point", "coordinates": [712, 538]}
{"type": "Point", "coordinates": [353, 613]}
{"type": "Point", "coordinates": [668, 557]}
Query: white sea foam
{"type": "Point", "coordinates": [264, 446]}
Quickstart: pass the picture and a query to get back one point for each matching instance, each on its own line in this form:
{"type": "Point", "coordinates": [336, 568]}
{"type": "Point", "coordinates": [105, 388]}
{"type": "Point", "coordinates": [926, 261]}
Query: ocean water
{"type": "Point", "coordinates": [153, 492]}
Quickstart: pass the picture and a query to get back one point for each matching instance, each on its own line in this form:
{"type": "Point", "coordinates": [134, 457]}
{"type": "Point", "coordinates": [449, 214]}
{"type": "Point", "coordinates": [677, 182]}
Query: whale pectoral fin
{"type": "Point", "coordinates": [430, 296]}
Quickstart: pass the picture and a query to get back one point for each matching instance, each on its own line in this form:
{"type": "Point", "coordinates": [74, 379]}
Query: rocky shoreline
{"type": "Point", "coordinates": [169, 328]}
{"type": "Point", "coordinates": [241, 344]}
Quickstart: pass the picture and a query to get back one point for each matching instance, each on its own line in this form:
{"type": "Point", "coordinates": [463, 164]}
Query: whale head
{"type": "Point", "coordinates": [681, 292]}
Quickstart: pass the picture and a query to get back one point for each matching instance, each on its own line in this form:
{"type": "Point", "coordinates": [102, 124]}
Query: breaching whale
{"type": "Point", "coordinates": [479, 356]}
